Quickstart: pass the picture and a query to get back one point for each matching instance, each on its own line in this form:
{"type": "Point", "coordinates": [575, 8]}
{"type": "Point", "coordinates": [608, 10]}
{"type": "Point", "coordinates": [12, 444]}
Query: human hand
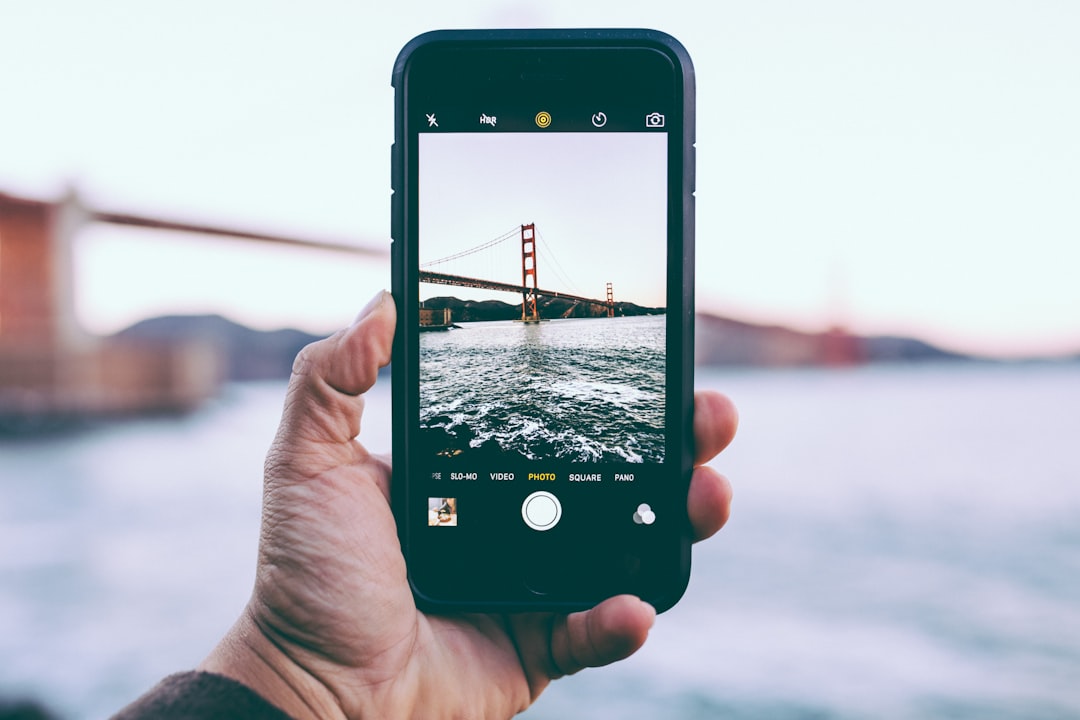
{"type": "Point", "coordinates": [331, 629]}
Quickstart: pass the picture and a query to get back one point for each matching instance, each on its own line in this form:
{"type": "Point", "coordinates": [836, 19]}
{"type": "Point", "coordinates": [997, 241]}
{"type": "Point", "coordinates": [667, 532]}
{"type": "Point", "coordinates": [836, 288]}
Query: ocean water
{"type": "Point", "coordinates": [905, 543]}
{"type": "Point", "coordinates": [582, 390]}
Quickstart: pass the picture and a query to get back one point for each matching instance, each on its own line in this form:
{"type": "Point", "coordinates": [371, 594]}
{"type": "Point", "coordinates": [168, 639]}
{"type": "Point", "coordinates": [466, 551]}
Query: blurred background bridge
{"type": "Point", "coordinates": [52, 369]}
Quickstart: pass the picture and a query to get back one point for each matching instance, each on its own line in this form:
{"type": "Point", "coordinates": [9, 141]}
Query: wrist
{"type": "Point", "coordinates": [304, 684]}
{"type": "Point", "coordinates": [248, 656]}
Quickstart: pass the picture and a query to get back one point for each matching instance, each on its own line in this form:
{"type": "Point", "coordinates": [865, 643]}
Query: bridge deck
{"type": "Point", "coordinates": [461, 281]}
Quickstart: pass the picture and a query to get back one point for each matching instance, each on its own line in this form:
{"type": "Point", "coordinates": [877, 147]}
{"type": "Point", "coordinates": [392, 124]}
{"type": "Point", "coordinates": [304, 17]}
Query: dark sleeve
{"type": "Point", "coordinates": [197, 695]}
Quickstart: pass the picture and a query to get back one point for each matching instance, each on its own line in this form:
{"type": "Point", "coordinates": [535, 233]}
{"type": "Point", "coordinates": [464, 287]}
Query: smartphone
{"type": "Point", "coordinates": [543, 225]}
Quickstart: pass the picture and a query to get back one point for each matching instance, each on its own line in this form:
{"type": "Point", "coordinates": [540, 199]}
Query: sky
{"type": "Point", "coordinates": [909, 168]}
{"type": "Point", "coordinates": [598, 202]}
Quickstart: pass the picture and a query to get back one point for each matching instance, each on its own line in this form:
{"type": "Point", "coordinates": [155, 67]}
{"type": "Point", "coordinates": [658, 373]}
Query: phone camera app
{"type": "Point", "coordinates": [654, 120]}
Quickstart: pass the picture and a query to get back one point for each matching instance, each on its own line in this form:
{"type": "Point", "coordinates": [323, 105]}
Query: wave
{"type": "Point", "coordinates": [562, 390]}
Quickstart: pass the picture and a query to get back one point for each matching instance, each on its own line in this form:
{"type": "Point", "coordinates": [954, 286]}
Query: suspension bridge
{"type": "Point", "coordinates": [51, 369]}
{"type": "Point", "coordinates": [528, 288]}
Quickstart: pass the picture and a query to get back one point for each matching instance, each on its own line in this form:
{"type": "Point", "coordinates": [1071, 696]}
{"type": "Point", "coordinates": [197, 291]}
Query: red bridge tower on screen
{"type": "Point", "coordinates": [529, 312]}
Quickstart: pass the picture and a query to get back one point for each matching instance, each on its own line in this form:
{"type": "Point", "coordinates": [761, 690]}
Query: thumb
{"type": "Point", "coordinates": [323, 403]}
{"type": "Point", "coordinates": [551, 646]}
{"type": "Point", "coordinates": [611, 631]}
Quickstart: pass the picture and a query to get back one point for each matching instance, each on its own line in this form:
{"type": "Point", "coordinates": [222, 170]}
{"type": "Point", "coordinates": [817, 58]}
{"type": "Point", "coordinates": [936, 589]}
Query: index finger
{"type": "Point", "coordinates": [715, 423]}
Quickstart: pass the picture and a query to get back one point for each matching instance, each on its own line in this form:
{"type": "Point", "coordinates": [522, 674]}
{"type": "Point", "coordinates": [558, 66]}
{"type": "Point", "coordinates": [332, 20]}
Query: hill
{"type": "Point", "coordinates": [549, 307]}
{"type": "Point", "coordinates": [723, 341]}
{"type": "Point", "coordinates": [247, 354]}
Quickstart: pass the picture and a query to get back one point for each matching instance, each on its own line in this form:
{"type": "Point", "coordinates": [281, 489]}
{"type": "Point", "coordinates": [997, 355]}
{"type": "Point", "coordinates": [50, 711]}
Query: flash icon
{"type": "Point", "coordinates": [431, 120]}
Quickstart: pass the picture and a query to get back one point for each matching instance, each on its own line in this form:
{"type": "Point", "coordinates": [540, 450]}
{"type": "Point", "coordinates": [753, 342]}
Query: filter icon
{"type": "Point", "coordinates": [644, 515]}
{"type": "Point", "coordinates": [543, 119]}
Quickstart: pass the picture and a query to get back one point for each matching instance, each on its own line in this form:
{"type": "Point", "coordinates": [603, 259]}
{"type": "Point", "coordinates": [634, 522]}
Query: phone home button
{"type": "Point", "coordinates": [541, 510]}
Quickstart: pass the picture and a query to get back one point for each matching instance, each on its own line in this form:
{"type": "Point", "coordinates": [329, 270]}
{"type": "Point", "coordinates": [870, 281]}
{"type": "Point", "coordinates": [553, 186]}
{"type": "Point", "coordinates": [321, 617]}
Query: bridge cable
{"type": "Point", "coordinates": [482, 246]}
{"type": "Point", "coordinates": [559, 271]}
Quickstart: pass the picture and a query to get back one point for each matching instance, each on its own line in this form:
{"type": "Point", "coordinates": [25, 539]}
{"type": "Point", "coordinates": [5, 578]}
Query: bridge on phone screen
{"type": "Point", "coordinates": [528, 288]}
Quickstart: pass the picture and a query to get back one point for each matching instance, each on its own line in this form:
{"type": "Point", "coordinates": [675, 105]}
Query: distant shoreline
{"type": "Point", "coordinates": [720, 342]}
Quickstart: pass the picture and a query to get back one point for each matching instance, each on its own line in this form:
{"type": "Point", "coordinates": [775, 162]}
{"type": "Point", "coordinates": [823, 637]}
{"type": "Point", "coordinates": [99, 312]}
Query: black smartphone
{"type": "Point", "coordinates": [543, 218]}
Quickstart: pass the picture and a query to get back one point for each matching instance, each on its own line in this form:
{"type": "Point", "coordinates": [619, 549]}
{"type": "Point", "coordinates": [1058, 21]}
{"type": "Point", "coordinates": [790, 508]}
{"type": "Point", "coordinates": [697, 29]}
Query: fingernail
{"type": "Point", "coordinates": [371, 306]}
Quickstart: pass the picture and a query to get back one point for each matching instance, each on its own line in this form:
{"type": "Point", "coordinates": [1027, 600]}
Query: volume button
{"type": "Point", "coordinates": [693, 169]}
{"type": "Point", "coordinates": [395, 179]}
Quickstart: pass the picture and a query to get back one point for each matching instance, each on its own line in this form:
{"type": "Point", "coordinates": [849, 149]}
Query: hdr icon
{"type": "Point", "coordinates": [487, 120]}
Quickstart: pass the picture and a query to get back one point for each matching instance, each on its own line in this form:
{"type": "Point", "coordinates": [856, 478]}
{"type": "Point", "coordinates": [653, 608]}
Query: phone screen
{"type": "Point", "coordinates": [545, 377]}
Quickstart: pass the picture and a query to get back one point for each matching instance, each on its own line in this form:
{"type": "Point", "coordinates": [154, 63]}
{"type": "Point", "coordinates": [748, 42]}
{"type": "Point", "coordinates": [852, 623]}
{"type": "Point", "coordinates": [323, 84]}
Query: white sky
{"type": "Point", "coordinates": [903, 167]}
{"type": "Point", "coordinates": [598, 201]}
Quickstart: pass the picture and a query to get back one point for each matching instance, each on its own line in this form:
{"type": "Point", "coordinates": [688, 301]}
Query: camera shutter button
{"type": "Point", "coordinates": [541, 510]}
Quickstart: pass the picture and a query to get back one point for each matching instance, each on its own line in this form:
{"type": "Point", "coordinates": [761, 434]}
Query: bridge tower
{"type": "Point", "coordinates": [529, 313]}
{"type": "Point", "coordinates": [610, 302]}
{"type": "Point", "coordinates": [37, 300]}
